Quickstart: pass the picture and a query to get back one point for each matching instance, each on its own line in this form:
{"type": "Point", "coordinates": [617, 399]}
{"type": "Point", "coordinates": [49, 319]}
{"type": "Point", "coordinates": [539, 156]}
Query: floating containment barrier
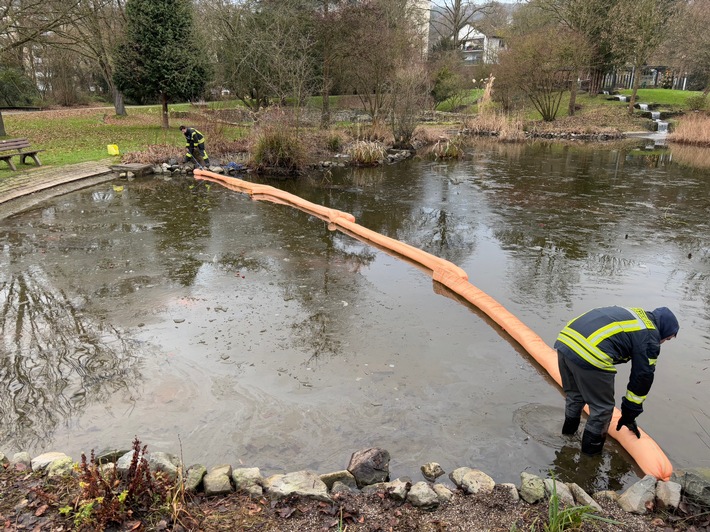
{"type": "Point", "coordinates": [645, 451]}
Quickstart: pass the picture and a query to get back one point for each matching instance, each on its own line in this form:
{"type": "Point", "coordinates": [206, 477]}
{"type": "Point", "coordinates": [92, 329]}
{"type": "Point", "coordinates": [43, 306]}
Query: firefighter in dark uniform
{"type": "Point", "coordinates": [194, 139]}
{"type": "Point", "coordinates": [590, 346]}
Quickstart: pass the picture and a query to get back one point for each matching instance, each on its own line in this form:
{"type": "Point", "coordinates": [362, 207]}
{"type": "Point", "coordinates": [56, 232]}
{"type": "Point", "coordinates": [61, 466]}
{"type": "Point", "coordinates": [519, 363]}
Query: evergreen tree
{"type": "Point", "coordinates": [161, 56]}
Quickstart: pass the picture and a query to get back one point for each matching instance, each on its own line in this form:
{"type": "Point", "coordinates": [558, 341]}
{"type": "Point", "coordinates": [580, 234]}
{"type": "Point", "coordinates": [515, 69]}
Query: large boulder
{"type": "Point", "coordinates": [432, 471]}
{"type": "Point", "coordinates": [532, 488]}
{"type": "Point", "coordinates": [583, 498]}
{"type": "Point", "coordinates": [301, 483]}
{"type": "Point", "coordinates": [421, 495]}
{"type": "Point", "coordinates": [370, 466]}
{"type": "Point", "coordinates": [667, 495]}
{"type": "Point", "coordinates": [249, 480]}
{"type": "Point", "coordinates": [218, 481]}
{"type": "Point", "coordinates": [61, 467]}
{"type": "Point", "coordinates": [343, 476]}
{"type": "Point", "coordinates": [695, 483]}
{"type": "Point", "coordinates": [41, 462]}
{"type": "Point", "coordinates": [639, 497]}
{"type": "Point", "coordinates": [194, 476]}
{"type": "Point", "coordinates": [476, 481]}
{"type": "Point", "coordinates": [564, 495]}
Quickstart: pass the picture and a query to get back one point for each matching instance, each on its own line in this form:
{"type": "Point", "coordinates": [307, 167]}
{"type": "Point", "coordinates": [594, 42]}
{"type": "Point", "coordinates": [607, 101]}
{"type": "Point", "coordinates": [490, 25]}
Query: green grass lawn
{"type": "Point", "coordinates": [73, 136]}
{"type": "Point", "coordinates": [468, 101]}
{"type": "Point", "coordinates": [668, 97]}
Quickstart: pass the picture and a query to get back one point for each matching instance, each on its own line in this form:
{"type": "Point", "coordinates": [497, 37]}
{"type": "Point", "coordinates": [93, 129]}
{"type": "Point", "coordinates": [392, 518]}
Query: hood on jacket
{"type": "Point", "coordinates": [666, 322]}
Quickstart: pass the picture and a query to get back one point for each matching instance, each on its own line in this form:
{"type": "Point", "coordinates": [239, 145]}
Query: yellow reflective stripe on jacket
{"type": "Point", "coordinates": [616, 327]}
{"type": "Point", "coordinates": [580, 345]}
{"type": "Point", "coordinates": [637, 399]}
{"type": "Point", "coordinates": [643, 317]}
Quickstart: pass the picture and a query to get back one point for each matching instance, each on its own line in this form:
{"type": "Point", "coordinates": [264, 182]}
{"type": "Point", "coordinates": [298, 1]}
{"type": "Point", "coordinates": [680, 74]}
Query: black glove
{"type": "Point", "coordinates": [628, 420]}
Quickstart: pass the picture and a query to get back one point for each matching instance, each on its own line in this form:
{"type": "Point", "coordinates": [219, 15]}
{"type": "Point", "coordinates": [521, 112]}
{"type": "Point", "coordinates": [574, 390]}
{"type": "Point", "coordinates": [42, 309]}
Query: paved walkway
{"type": "Point", "coordinates": [28, 187]}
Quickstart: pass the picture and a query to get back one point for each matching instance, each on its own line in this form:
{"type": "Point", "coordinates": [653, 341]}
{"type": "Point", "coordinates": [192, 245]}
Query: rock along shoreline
{"type": "Point", "coordinates": [368, 473]}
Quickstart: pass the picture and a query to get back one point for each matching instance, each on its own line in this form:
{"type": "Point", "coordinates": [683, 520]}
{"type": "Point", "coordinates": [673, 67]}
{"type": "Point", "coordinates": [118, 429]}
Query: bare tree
{"type": "Point", "coordinates": [94, 36]}
{"type": "Point", "coordinates": [541, 65]}
{"type": "Point", "coordinates": [638, 27]}
{"type": "Point", "coordinates": [452, 16]}
{"type": "Point", "coordinates": [89, 39]}
{"type": "Point", "coordinates": [409, 96]}
{"type": "Point", "coordinates": [265, 50]}
{"type": "Point", "coordinates": [689, 48]}
{"type": "Point", "coordinates": [25, 22]}
{"type": "Point", "coordinates": [376, 37]}
{"type": "Point", "coordinates": [589, 18]}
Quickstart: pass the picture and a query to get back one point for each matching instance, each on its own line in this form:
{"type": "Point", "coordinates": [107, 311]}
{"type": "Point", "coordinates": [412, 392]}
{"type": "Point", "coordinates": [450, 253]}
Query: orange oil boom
{"type": "Point", "coordinates": [645, 451]}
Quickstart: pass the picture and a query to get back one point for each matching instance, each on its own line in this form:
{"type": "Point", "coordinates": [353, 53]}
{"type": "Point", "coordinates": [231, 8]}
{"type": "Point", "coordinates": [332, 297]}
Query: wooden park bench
{"type": "Point", "coordinates": [17, 147]}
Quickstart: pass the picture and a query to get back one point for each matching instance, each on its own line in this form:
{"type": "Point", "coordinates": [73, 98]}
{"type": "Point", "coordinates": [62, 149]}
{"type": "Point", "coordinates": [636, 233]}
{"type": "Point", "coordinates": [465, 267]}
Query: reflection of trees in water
{"type": "Point", "coordinates": [323, 284]}
{"type": "Point", "coordinates": [54, 360]}
{"type": "Point", "coordinates": [593, 473]}
{"type": "Point", "coordinates": [318, 335]}
{"type": "Point", "coordinates": [440, 233]}
{"type": "Point", "coordinates": [182, 210]}
{"type": "Point", "coordinates": [570, 208]}
{"type": "Point", "coordinates": [395, 213]}
{"type": "Point", "coordinates": [318, 273]}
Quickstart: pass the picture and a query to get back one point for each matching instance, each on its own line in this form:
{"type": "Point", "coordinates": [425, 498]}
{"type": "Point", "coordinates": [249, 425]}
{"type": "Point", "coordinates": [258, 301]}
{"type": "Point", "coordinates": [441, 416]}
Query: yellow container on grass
{"type": "Point", "coordinates": [112, 149]}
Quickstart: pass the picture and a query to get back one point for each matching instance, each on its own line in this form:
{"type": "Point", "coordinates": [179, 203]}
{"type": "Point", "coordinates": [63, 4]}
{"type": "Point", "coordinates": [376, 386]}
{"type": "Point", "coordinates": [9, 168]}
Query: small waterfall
{"type": "Point", "coordinates": [643, 106]}
{"type": "Point", "coordinates": [662, 126]}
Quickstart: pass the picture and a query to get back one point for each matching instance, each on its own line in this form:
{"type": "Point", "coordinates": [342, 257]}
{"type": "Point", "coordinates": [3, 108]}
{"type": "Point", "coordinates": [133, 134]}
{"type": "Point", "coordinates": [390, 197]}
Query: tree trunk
{"type": "Point", "coordinates": [164, 102]}
{"type": "Point", "coordinates": [595, 82]}
{"type": "Point", "coordinates": [2, 126]}
{"type": "Point", "coordinates": [572, 96]}
{"type": "Point", "coordinates": [118, 103]}
{"type": "Point", "coordinates": [637, 81]}
{"type": "Point", "coordinates": [325, 110]}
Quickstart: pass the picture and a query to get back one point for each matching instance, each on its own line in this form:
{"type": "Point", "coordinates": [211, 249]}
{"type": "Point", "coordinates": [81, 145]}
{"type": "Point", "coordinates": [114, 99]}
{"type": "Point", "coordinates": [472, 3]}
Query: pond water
{"type": "Point", "coordinates": [248, 333]}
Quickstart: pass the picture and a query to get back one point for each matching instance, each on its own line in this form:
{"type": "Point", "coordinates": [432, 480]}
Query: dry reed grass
{"type": "Point", "coordinates": [500, 125]}
{"type": "Point", "coordinates": [366, 152]}
{"type": "Point", "coordinates": [154, 154]}
{"type": "Point", "coordinates": [693, 129]}
{"type": "Point", "coordinates": [454, 148]}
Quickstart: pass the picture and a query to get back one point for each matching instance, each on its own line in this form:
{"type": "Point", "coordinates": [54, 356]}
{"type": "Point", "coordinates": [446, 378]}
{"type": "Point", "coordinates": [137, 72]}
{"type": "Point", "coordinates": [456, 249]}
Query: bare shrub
{"type": "Point", "coordinates": [371, 132]}
{"type": "Point", "coordinates": [431, 134]}
{"type": "Point", "coordinates": [485, 103]}
{"type": "Point", "coordinates": [276, 144]}
{"type": "Point", "coordinates": [410, 95]}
